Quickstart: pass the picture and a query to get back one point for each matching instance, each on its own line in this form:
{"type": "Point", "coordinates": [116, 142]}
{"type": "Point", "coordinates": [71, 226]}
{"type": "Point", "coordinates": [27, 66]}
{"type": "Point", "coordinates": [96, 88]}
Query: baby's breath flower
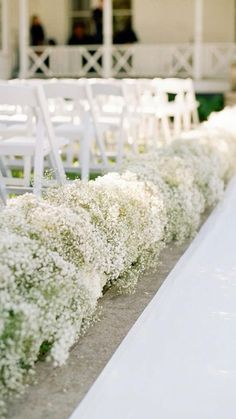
{"type": "Point", "coordinates": [58, 253]}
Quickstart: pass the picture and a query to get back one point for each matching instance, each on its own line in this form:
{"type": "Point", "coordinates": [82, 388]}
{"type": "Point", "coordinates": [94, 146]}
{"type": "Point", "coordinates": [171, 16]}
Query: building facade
{"type": "Point", "coordinates": [168, 32]}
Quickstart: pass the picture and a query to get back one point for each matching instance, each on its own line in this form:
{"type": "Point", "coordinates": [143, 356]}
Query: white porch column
{"type": "Point", "coordinates": [198, 27]}
{"type": "Point", "coordinates": [107, 38]}
{"type": "Point", "coordinates": [5, 64]}
{"type": "Point", "coordinates": [23, 37]}
{"type": "Point", "coordinates": [5, 27]}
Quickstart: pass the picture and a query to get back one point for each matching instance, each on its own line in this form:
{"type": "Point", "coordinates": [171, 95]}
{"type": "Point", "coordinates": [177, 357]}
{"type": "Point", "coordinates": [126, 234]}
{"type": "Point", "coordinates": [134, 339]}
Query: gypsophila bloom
{"type": "Point", "coordinates": [126, 214]}
{"type": "Point", "coordinates": [58, 253]}
{"type": "Point", "coordinates": [42, 297]}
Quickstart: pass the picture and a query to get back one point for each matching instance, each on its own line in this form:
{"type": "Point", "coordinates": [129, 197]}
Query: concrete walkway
{"type": "Point", "coordinates": [179, 359]}
{"type": "Point", "coordinates": [58, 391]}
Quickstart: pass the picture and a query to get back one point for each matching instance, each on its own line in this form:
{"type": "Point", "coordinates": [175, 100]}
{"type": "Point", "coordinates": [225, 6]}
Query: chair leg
{"type": "Point", "coordinates": [154, 135]}
{"type": "Point", "coordinates": [69, 155]}
{"type": "Point", "coordinates": [3, 194]}
{"type": "Point", "coordinates": [27, 170]}
{"type": "Point", "coordinates": [134, 132]}
{"type": "Point", "coordinates": [58, 166]}
{"type": "Point", "coordinates": [84, 157]}
{"type": "Point", "coordinates": [177, 124]}
{"type": "Point", "coordinates": [99, 135]}
{"type": "Point", "coordinates": [195, 117]}
{"type": "Point", "coordinates": [3, 169]}
{"type": "Point", "coordinates": [187, 120]}
{"type": "Point", "coordinates": [166, 128]}
{"type": "Point", "coordinates": [120, 147]}
{"type": "Point", "coordinates": [152, 131]}
{"type": "Point", "coordinates": [38, 171]}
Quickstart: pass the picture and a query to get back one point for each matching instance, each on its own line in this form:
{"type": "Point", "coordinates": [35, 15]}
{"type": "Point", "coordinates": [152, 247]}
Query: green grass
{"type": "Point", "coordinates": [75, 176]}
{"type": "Point", "coordinates": [209, 103]}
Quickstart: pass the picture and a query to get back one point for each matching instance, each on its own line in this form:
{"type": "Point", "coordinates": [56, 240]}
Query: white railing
{"type": "Point", "coordinates": [65, 61]}
{"type": "Point", "coordinates": [163, 60]}
{"type": "Point", "coordinates": [216, 59]}
{"type": "Point", "coordinates": [139, 60]}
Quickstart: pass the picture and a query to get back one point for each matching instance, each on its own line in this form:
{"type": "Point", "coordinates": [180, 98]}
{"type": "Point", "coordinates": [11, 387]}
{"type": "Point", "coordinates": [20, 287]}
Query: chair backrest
{"type": "Point", "coordinates": [105, 87]}
{"type": "Point", "coordinates": [67, 90]}
{"type": "Point", "coordinates": [190, 91]}
{"type": "Point", "coordinates": [106, 93]}
{"type": "Point", "coordinates": [23, 101]}
{"type": "Point", "coordinates": [18, 94]}
{"type": "Point", "coordinates": [31, 96]}
{"type": "Point", "coordinates": [184, 97]}
{"type": "Point", "coordinates": [144, 87]}
{"type": "Point", "coordinates": [130, 92]}
{"type": "Point", "coordinates": [170, 85]}
{"type": "Point", "coordinates": [68, 98]}
{"type": "Point", "coordinates": [178, 87]}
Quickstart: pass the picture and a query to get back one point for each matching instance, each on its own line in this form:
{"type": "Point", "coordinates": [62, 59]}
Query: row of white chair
{"type": "Point", "coordinates": [74, 116]}
{"type": "Point", "coordinates": [95, 121]}
{"type": "Point", "coordinates": [149, 99]}
{"type": "Point", "coordinates": [153, 99]}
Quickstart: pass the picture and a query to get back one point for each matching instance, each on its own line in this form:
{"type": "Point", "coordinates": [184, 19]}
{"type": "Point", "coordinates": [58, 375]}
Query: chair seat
{"type": "Point", "coordinates": [60, 119]}
{"type": "Point", "coordinates": [21, 146]}
{"type": "Point", "coordinates": [2, 126]}
{"type": "Point", "coordinates": [111, 121]}
{"type": "Point", "coordinates": [13, 130]}
{"type": "Point", "coordinates": [15, 118]}
{"type": "Point", "coordinates": [70, 131]}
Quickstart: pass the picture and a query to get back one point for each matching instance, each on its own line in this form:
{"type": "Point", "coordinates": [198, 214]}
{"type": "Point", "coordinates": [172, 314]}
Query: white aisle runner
{"type": "Point", "coordinates": [179, 359]}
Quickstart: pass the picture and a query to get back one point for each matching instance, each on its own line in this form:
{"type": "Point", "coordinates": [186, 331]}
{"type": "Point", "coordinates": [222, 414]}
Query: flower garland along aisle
{"type": "Point", "coordinates": [58, 253]}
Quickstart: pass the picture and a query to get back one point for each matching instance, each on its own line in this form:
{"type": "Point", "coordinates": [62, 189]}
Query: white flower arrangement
{"type": "Point", "coordinates": [43, 301]}
{"type": "Point", "coordinates": [126, 214]}
{"type": "Point", "coordinates": [58, 253]}
{"type": "Point", "coordinates": [60, 229]}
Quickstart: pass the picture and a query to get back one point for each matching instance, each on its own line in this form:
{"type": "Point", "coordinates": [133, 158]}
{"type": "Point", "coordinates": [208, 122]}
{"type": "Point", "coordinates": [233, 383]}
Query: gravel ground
{"type": "Point", "coordinates": [58, 391]}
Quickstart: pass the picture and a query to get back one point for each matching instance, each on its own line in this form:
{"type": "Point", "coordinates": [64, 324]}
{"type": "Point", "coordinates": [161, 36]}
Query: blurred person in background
{"type": "Point", "coordinates": [126, 35]}
{"type": "Point", "coordinates": [37, 33]}
{"type": "Point", "coordinates": [98, 22]}
{"type": "Point", "coordinates": [79, 35]}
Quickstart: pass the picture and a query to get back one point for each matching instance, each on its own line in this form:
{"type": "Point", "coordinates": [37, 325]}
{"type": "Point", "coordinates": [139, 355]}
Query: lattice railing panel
{"type": "Point", "coordinates": [216, 59]}
{"type": "Point", "coordinates": [138, 60]}
{"type": "Point", "coordinates": [65, 61]}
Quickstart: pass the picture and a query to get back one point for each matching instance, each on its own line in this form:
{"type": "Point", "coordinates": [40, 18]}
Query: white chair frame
{"type": "Point", "coordinates": [32, 97]}
{"type": "Point", "coordinates": [115, 122]}
{"type": "Point", "coordinates": [84, 131]}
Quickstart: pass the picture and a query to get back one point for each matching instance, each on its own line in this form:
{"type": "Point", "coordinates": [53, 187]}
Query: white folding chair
{"type": "Point", "coordinates": [37, 141]}
{"type": "Point", "coordinates": [131, 97]}
{"type": "Point", "coordinates": [72, 119]}
{"type": "Point", "coordinates": [108, 109]}
{"type": "Point", "coordinates": [191, 104]}
{"type": "Point", "coordinates": [153, 114]}
{"type": "Point", "coordinates": [183, 108]}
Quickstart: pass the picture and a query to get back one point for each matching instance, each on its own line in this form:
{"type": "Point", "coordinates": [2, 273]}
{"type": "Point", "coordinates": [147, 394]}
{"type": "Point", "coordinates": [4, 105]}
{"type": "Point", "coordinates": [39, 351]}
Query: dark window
{"type": "Point", "coordinates": [81, 10]}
